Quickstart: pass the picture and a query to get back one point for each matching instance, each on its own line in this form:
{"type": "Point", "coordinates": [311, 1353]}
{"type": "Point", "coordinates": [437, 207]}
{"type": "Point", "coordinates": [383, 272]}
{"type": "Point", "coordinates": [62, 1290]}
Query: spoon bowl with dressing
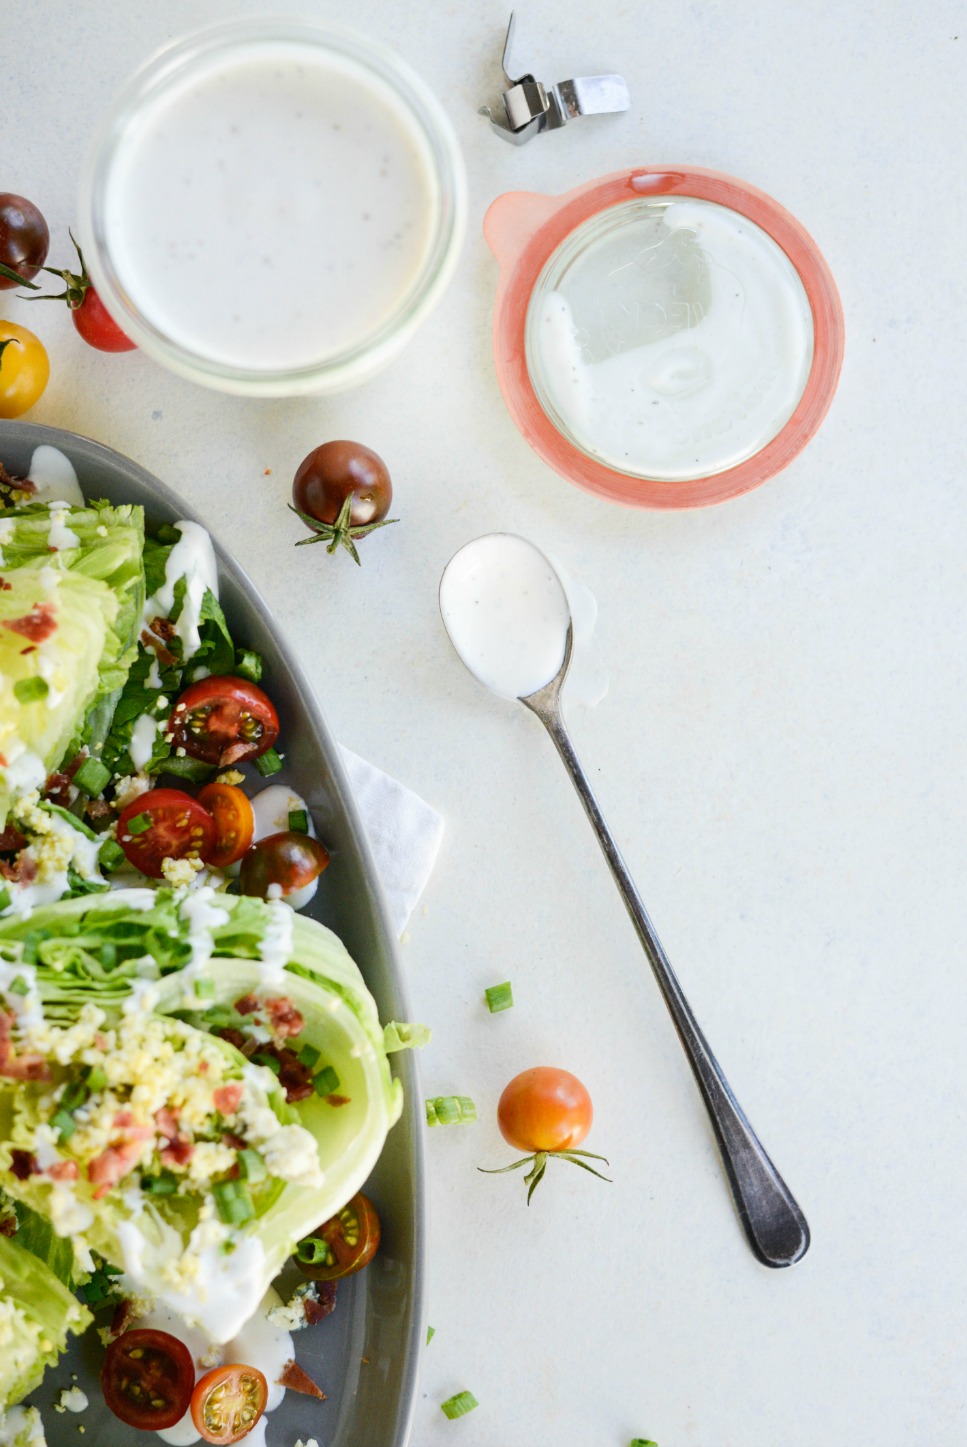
{"type": "Point", "coordinates": [507, 615]}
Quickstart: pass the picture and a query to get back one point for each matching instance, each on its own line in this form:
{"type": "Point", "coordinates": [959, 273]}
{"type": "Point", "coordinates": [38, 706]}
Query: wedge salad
{"type": "Point", "coordinates": [193, 1075]}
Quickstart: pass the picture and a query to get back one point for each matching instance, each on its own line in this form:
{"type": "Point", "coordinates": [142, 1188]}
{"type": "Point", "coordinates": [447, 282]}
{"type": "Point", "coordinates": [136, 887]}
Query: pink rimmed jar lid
{"type": "Point", "coordinates": [663, 337]}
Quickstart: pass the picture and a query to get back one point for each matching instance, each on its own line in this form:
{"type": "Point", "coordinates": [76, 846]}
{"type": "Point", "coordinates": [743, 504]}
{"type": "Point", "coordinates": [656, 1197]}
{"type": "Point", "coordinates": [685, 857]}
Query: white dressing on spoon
{"type": "Point", "coordinates": [506, 612]}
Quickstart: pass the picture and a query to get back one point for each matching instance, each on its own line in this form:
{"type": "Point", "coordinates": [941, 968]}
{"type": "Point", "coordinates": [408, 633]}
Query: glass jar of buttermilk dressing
{"type": "Point", "coordinates": [272, 207]}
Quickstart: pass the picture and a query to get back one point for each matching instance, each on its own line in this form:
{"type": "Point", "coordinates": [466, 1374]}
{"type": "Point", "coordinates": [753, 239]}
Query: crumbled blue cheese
{"type": "Point", "coordinates": [292, 1316]}
{"type": "Point", "coordinates": [71, 1399]}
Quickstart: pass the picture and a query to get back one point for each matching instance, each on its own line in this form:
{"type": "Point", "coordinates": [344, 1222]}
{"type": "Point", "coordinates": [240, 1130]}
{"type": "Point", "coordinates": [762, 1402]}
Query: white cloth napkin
{"type": "Point", "coordinates": [404, 833]}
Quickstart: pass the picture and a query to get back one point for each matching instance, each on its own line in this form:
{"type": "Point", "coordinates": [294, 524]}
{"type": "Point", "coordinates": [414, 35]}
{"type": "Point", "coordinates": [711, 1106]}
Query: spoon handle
{"type": "Point", "coordinates": [776, 1227]}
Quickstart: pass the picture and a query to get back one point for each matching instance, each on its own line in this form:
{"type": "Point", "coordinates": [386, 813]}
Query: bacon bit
{"type": "Point", "coordinates": [227, 1097]}
{"type": "Point", "coordinates": [3, 761]}
{"type": "Point", "coordinates": [5, 586]}
{"type": "Point", "coordinates": [23, 1165]}
{"type": "Point", "coordinates": [123, 1119]}
{"type": "Point", "coordinates": [298, 1380]}
{"type": "Point", "coordinates": [233, 753]}
{"type": "Point", "coordinates": [247, 1004]}
{"type": "Point", "coordinates": [122, 1318]}
{"type": "Point", "coordinates": [114, 1163]}
{"type": "Point", "coordinates": [8, 1226]}
{"type": "Point", "coordinates": [338, 1100]}
{"type": "Point", "coordinates": [244, 1043]}
{"type": "Point", "coordinates": [323, 1304]}
{"type": "Point", "coordinates": [101, 1040]}
{"type": "Point", "coordinates": [234, 1142]}
{"type": "Point", "coordinates": [166, 1120]}
{"type": "Point", "coordinates": [203, 1067]}
{"type": "Point", "coordinates": [9, 484]}
{"type": "Point", "coordinates": [163, 628]}
{"type": "Point", "coordinates": [11, 840]}
{"type": "Point", "coordinates": [284, 1018]}
{"type": "Point", "coordinates": [153, 641]}
{"type": "Point", "coordinates": [36, 625]}
{"type": "Point", "coordinates": [58, 789]}
{"type": "Point", "coordinates": [294, 1077]}
{"type": "Point", "coordinates": [63, 1171]}
{"type": "Point", "coordinates": [178, 1152]}
{"type": "Point", "coordinates": [31, 648]}
{"type": "Point", "coordinates": [18, 1067]}
{"type": "Point", "coordinates": [97, 808]}
{"type": "Point", "coordinates": [23, 870]}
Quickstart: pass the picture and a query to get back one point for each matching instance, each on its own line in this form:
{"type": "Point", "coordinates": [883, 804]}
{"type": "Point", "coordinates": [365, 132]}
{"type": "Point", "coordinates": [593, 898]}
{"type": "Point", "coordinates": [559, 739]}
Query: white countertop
{"type": "Point", "coordinates": [781, 752]}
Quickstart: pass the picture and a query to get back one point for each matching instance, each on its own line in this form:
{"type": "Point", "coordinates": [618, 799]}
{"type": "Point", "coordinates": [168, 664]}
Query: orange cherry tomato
{"type": "Point", "coordinates": [227, 1402]}
{"type": "Point", "coordinates": [234, 823]}
{"type": "Point", "coordinates": [544, 1109]}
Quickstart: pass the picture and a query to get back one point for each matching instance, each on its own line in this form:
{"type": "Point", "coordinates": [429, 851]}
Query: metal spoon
{"type": "Point", "coordinates": [774, 1224]}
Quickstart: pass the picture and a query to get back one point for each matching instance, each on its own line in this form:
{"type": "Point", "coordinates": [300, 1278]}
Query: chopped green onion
{"type": "Point", "coordinates": [4, 896]}
{"type": "Point", "coordinates": [268, 763]}
{"type": "Point", "coordinates": [298, 821]}
{"type": "Point", "coordinates": [205, 989]}
{"type": "Point", "coordinates": [219, 1017]}
{"type": "Point", "coordinates": [110, 856]}
{"type": "Point", "coordinates": [312, 1251]}
{"type": "Point", "coordinates": [233, 1202]}
{"type": "Point", "coordinates": [430, 1334]}
{"type": "Point", "coordinates": [326, 1082]}
{"type": "Point", "coordinates": [642, 1442]}
{"type": "Point", "coordinates": [96, 1078]}
{"type": "Point", "coordinates": [251, 1166]}
{"type": "Point", "coordinates": [459, 1405]}
{"type": "Point", "coordinates": [75, 1093]}
{"type": "Point", "coordinates": [64, 1123]}
{"type": "Point", "coordinates": [193, 770]}
{"type": "Point", "coordinates": [31, 690]}
{"type": "Point", "coordinates": [92, 776]}
{"type": "Point", "coordinates": [248, 664]}
{"type": "Point", "coordinates": [450, 1110]}
{"type": "Point", "coordinates": [140, 824]}
{"type": "Point", "coordinates": [269, 1061]}
{"type": "Point", "coordinates": [164, 1185]}
{"type": "Point", "coordinates": [308, 1056]}
{"type": "Point", "coordinates": [19, 986]}
{"type": "Point", "coordinates": [31, 947]}
{"type": "Point", "coordinates": [499, 997]}
{"type": "Point", "coordinates": [405, 1035]}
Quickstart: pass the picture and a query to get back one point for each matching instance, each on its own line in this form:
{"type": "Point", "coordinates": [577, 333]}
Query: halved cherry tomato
{"type": "Point", "coordinates": [164, 824]}
{"type": "Point", "coordinates": [544, 1109]}
{"type": "Point", "coordinates": [148, 1377]}
{"type": "Point", "coordinates": [288, 861]}
{"type": "Point", "coordinates": [342, 1245]}
{"type": "Point", "coordinates": [224, 721]}
{"type": "Point", "coordinates": [234, 823]}
{"type": "Point", "coordinates": [24, 369]}
{"type": "Point", "coordinates": [228, 1401]}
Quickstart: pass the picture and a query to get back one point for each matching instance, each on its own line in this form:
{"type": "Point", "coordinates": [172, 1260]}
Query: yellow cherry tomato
{"type": "Point", "coordinates": [24, 369]}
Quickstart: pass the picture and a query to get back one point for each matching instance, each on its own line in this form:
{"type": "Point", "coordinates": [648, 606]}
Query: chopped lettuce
{"type": "Point", "coordinates": [22, 1427]}
{"type": "Point", "coordinates": [37, 1313]}
{"type": "Point", "coordinates": [182, 992]}
{"type": "Point", "coordinates": [80, 569]}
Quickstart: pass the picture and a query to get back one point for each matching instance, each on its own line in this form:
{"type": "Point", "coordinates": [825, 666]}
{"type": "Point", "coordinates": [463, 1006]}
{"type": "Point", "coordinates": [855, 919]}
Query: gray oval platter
{"type": "Point", "coordinates": [366, 1355]}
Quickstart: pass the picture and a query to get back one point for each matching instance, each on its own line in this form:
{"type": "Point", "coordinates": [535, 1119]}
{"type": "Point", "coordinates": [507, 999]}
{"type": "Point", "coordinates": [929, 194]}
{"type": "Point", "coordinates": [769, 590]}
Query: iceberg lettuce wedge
{"type": "Point", "coordinates": [37, 1313]}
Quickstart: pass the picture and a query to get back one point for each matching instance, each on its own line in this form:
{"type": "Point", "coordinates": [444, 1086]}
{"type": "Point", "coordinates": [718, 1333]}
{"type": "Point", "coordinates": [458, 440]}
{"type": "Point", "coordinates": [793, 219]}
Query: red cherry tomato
{"type": "Point", "coordinates": [342, 1245]}
{"type": "Point", "coordinates": [164, 824]}
{"type": "Point", "coordinates": [224, 721]}
{"type": "Point", "coordinates": [24, 238]}
{"type": "Point", "coordinates": [287, 860]}
{"type": "Point", "coordinates": [234, 823]}
{"type": "Point", "coordinates": [227, 1402]}
{"type": "Point", "coordinates": [96, 325]}
{"type": "Point", "coordinates": [544, 1109]}
{"type": "Point", "coordinates": [147, 1379]}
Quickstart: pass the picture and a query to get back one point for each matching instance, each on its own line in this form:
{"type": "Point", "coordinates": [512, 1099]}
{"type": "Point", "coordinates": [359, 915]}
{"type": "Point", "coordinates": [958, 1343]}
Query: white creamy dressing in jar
{"type": "Point", "coordinates": [272, 208]}
{"type": "Point", "coordinates": [506, 612]}
{"type": "Point", "coordinates": [673, 347]}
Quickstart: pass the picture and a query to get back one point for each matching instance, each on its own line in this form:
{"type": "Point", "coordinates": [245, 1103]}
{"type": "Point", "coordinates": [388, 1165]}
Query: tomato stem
{"type": "Point", "coordinates": [538, 1164]}
{"type": "Point", "coordinates": [340, 532]}
{"type": "Point", "coordinates": [12, 275]}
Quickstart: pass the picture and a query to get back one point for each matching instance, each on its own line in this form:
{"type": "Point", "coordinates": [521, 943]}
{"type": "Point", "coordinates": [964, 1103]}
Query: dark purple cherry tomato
{"type": "Point", "coordinates": [287, 860]}
{"type": "Point", "coordinates": [224, 720]}
{"type": "Point", "coordinates": [24, 238]}
{"type": "Point", "coordinates": [342, 491]}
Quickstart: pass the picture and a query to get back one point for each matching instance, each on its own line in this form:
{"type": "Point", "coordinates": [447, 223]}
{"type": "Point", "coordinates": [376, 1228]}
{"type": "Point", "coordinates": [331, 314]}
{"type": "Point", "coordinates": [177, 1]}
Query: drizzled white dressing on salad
{"type": "Point", "coordinates": [191, 558]}
{"type": "Point", "coordinates": [54, 477]}
{"type": "Point", "coordinates": [272, 807]}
